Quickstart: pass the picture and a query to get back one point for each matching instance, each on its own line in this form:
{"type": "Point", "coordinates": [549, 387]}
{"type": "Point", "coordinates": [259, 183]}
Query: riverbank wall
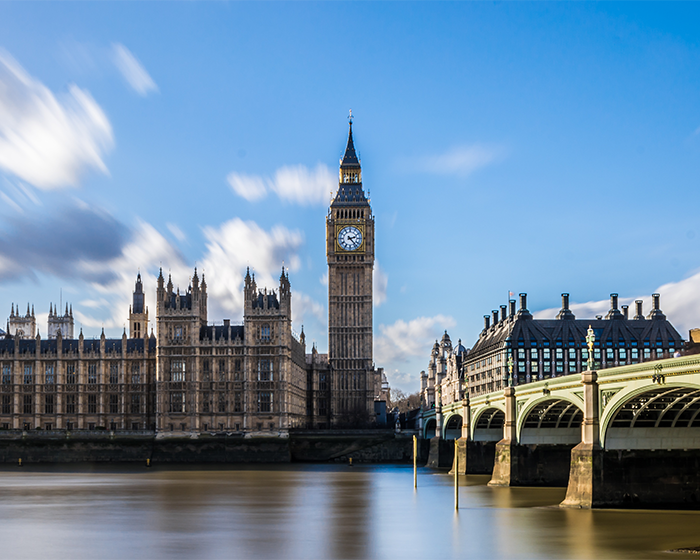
{"type": "Point", "coordinates": [362, 446]}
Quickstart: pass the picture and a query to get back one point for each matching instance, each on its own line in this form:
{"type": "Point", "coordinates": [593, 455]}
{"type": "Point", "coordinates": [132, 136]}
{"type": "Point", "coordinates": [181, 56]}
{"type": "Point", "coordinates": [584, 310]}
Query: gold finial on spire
{"type": "Point", "coordinates": [350, 117]}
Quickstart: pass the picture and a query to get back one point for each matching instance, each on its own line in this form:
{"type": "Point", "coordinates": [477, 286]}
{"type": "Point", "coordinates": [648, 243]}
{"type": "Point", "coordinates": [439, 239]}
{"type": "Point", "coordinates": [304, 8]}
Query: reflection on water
{"type": "Point", "coordinates": [310, 511]}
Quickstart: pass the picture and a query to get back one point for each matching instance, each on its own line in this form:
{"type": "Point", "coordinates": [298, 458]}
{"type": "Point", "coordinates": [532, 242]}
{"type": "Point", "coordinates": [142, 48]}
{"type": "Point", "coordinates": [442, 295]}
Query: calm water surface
{"type": "Point", "coordinates": [310, 512]}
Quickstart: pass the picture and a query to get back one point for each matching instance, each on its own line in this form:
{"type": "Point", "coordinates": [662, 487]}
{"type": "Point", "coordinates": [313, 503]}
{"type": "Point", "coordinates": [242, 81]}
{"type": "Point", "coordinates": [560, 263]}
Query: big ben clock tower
{"type": "Point", "coordinates": [350, 253]}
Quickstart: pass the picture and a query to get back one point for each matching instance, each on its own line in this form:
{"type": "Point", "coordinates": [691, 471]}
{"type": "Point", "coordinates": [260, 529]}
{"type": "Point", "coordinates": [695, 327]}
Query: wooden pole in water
{"type": "Point", "coordinates": [415, 462]}
{"type": "Point", "coordinates": [456, 475]}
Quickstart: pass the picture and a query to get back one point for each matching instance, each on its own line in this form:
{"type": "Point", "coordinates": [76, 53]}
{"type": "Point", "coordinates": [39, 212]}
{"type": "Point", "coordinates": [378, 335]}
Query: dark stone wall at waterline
{"type": "Point", "coordinates": [634, 478]}
{"type": "Point", "coordinates": [372, 446]}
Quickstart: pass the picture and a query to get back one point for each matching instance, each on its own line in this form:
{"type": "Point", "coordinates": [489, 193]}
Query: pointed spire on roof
{"type": "Point", "coordinates": [350, 158]}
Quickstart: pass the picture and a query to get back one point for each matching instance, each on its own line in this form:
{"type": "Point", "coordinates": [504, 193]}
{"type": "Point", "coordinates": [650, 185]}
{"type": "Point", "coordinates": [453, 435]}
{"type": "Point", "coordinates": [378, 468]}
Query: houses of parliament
{"type": "Point", "coordinates": [187, 376]}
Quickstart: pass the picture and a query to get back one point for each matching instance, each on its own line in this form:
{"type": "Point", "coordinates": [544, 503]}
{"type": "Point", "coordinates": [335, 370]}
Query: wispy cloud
{"type": "Point", "coordinates": [402, 341]}
{"type": "Point", "coordinates": [461, 160]}
{"type": "Point", "coordinates": [133, 71]}
{"type": "Point", "coordinates": [237, 244]}
{"type": "Point", "coordinates": [296, 184]}
{"type": "Point", "coordinates": [177, 232]}
{"type": "Point", "coordinates": [46, 141]}
{"type": "Point", "coordinates": [380, 281]}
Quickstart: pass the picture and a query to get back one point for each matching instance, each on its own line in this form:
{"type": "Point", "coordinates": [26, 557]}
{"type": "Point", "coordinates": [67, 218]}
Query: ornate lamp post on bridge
{"type": "Point", "coordinates": [590, 340]}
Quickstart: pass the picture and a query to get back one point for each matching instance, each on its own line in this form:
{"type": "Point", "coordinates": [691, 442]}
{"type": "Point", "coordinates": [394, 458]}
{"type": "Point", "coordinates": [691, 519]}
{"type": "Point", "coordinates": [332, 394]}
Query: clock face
{"type": "Point", "coordinates": [350, 238]}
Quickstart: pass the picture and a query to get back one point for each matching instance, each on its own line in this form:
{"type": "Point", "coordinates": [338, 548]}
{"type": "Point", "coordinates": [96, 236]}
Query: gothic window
{"type": "Point", "coordinates": [178, 332]}
{"type": "Point", "coordinates": [136, 373]}
{"type": "Point", "coordinates": [265, 370]}
{"type": "Point", "coordinates": [49, 378]}
{"type": "Point", "coordinates": [222, 370]}
{"type": "Point", "coordinates": [7, 404]}
{"type": "Point", "coordinates": [70, 404]}
{"type": "Point", "coordinates": [206, 366]}
{"type": "Point", "coordinates": [222, 402]}
{"type": "Point", "coordinates": [114, 373]}
{"type": "Point", "coordinates": [137, 330]}
{"type": "Point", "coordinates": [136, 404]}
{"type": "Point", "coordinates": [114, 404]}
{"type": "Point", "coordinates": [70, 374]}
{"type": "Point", "coordinates": [92, 373]}
{"type": "Point", "coordinates": [92, 404]}
{"type": "Point", "coordinates": [265, 333]}
{"type": "Point", "coordinates": [264, 401]}
{"type": "Point", "coordinates": [177, 370]}
{"type": "Point", "coordinates": [48, 404]}
{"type": "Point", "coordinates": [177, 402]}
{"type": "Point", "coordinates": [6, 374]}
{"type": "Point", "coordinates": [237, 402]}
{"type": "Point", "coordinates": [28, 407]}
{"type": "Point", "coordinates": [28, 374]}
{"type": "Point", "coordinates": [206, 402]}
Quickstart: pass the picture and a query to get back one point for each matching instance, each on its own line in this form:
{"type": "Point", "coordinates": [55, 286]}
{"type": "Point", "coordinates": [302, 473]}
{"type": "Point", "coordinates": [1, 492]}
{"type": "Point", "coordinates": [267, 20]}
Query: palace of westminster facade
{"type": "Point", "coordinates": [191, 377]}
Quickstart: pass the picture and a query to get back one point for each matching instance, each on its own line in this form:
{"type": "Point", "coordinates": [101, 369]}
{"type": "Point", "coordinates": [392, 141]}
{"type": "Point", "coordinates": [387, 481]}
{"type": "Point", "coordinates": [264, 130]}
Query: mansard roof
{"type": "Point", "coordinates": [218, 332]}
{"type": "Point", "coordinates": [272, 301]}
{"type": "Point", "coordinates": [523, 330]}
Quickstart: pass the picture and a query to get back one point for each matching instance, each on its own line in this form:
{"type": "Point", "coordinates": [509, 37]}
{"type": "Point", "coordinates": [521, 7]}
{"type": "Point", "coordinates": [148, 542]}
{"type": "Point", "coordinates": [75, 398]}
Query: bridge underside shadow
{"type": "Point", "coordinates": [541, 455]}
{"type": "Point", "coordinates": [650, 458]}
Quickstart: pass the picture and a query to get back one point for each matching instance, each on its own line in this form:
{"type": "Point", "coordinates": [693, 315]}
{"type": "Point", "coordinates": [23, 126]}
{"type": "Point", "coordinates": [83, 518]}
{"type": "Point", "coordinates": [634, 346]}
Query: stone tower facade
{"type": "Point", "coordinates": [23, 326]}
{"type": "Point", "coordinates": [60, 323]}
{"type": "Point", "coordinates": [350, 254]}
{"type": "Point", "coordinates": [138, 312]}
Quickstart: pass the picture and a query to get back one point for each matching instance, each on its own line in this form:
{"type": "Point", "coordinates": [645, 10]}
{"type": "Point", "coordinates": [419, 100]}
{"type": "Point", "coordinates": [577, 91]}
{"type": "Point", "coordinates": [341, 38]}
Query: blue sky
{"type": "Point", "coordinates": [539, 148]}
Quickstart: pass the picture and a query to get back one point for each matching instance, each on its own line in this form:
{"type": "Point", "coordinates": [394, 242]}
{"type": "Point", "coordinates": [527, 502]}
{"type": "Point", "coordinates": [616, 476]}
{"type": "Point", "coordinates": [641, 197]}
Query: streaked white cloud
{"type": "Point", "coordinates": [132, 70]}
{"type": "Point", "coordinates": [380, 281]}
{"type": "Point", "coordinates": [250, 187]}
{"type": "Point", "coordinates": [238, 244]}
{"type": "Point", "coordinates": [46, 141]}
{"type": "Point", "coordinates": [680, 302]}
{"type": "Point", "coordinates": [305, 308]}
{"type": "Point", "coordinates": [296, 184]}
{"type": "Point", "coordinates": [461, 160]}
{"type": "Point", "coordinates": [403, 341]}
{"type": "Point", "coordinates": [301, 185]}
{"type": "Point", "coordinates": [176, 231]}
{"type": "Point", "coordinates": [146, 250]}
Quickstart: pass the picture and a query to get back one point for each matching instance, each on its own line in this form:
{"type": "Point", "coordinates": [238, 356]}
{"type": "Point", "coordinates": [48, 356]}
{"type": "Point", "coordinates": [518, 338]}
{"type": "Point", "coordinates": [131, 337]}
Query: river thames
{"type": "Point", "coordinates": [310, 511]}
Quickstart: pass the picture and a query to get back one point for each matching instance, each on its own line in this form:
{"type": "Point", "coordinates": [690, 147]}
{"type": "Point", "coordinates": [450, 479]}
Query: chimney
{"type": "Point", "coordinates": [565, 312]}
{"type": "Point", "coordinates": [512, 307]}
{"type": "Point", "coordinates": [656, 312]}
{"type": "Point", "coordinates": [523, 302]}
{"type": "Point", "coordinates": [640, 314]}
{"type": "Point", "coordinates": [613, 301]}
{"type": "Point", "coordinates": [227, 323]}
{"type": "Point", "coordinates": [486, 322]}
{"type": "Point", "coordinates": [494, 313]}
{"type": "Point", "coordinates": [503, 312]}
{"type": "Point", "coordinates": [626, 311]}
{"type": "Point", "coordinates": [614, 312]}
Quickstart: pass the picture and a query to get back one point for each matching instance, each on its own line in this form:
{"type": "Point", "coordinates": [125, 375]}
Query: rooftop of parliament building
{"type": "Point", "coordinates": [544, 348]}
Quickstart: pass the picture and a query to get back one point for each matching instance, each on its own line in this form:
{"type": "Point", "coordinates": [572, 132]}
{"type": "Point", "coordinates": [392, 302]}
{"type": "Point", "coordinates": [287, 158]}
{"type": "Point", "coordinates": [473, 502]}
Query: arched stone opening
{"type": "Point", "coordinates": [553, 421]}
{"type": "Point", "coordinates": [453, 428]}
{"type": "Point", "coordinates": [489, 425]}
{"type": "Point", "coordinates": [430, 429]}
{"type": "Point", "coordinates": [659, 418]}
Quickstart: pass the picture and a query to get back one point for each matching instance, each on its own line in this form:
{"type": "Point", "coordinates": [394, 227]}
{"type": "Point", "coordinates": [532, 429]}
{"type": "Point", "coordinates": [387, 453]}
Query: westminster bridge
{"type": "Point", "coordinates": [628, 435]}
